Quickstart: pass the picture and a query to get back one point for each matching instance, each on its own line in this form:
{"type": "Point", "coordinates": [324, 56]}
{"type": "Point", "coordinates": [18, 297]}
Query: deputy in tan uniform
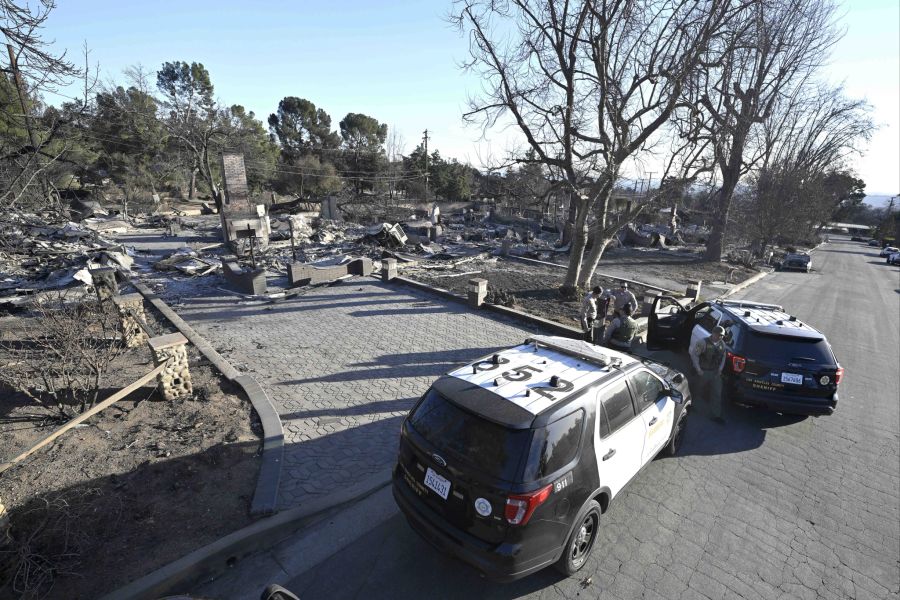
{"type": "Point", "coordinates": [589, 313]}
{"type": "Point", "coordinates": [622, 297]}
{"type": "Point", "coordinates": [708, 358]}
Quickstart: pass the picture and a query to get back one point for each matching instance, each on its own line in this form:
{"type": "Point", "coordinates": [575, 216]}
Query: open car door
{"type": "Point", "coordinates": [665, 326]}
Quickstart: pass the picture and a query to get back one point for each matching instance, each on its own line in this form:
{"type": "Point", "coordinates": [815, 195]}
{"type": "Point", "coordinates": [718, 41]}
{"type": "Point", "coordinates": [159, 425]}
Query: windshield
{"type": "Point", "coordinates": [485, 446]}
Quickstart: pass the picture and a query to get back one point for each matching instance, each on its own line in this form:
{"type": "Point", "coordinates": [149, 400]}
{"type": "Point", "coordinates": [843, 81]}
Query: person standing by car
{"type": "Point", "coordinates": [620, 333]}
{"type": "Point", "coordinates": [708, 358]}
{"type": "Point", "coordinates": [589, 312]}
{"type": "Point", "coordinates": [621, 298]}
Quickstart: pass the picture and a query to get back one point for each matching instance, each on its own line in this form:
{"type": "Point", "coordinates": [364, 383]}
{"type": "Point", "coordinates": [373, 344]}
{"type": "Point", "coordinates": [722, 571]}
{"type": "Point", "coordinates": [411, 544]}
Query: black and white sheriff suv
{"type": "Point", "coordinates": [509, 462]}
{"type": "Point", "coordinates": [774, 360]}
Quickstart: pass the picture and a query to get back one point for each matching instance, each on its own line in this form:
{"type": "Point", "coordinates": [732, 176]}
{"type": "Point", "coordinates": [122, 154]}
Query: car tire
{"type": "Point", "coordinates": [581, 541]}
{"type": "Point", "coordinates": [672, 446]}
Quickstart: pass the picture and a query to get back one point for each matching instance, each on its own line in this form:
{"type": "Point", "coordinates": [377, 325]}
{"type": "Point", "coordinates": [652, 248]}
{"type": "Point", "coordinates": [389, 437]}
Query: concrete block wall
{"type": "Point", "coordinates": [245, 282]}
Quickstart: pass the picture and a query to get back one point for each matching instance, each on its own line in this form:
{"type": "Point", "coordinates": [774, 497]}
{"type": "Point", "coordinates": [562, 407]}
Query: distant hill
{"type": "Point", "coordinates": [880, 200]}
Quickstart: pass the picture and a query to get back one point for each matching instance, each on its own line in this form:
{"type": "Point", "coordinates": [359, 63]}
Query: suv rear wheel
{"type": "Point", "coordinates": [581, 541]}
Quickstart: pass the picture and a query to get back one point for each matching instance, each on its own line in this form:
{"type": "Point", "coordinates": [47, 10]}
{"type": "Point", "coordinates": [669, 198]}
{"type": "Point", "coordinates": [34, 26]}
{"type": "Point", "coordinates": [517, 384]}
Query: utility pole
{"type": "Point", "coordinates": [426, 164]}
{"type": "Point", "coordinates": [17, 78]}
{"type": "Point", "coordinates": [649, 181]}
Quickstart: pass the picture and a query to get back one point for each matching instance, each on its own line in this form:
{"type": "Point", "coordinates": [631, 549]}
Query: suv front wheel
{"type": "Point", "coordinates": [674, 443]}
{"type": "Point", "coordinates": [581, 541]}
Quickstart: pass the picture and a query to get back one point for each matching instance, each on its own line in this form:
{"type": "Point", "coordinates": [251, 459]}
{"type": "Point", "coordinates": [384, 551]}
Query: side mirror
{"type": "Point", "coordinates": [679, 377]}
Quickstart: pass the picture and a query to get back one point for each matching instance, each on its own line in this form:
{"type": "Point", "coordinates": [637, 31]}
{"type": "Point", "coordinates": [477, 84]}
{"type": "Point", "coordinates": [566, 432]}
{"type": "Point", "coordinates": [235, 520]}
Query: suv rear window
{"type": "Point", "coordinates": [782, 349]}
{"type": "Point", "coordinates": [490, 448]}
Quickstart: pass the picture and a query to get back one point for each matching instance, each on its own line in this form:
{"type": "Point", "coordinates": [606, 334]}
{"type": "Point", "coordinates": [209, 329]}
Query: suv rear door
{"type": "Point", "coordinates": [618, 437]}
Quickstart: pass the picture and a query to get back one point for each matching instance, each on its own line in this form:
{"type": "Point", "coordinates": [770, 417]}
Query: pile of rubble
{"type": "Point", "coordinates": [37, 255]}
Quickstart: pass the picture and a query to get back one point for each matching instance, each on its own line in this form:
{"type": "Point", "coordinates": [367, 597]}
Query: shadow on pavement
{"type": "Point", "coordinates": [406, 566]}
{"type": "Point", "coordinates": [413, 364]}
{"type": "Point", "coordinates": [744, 428]}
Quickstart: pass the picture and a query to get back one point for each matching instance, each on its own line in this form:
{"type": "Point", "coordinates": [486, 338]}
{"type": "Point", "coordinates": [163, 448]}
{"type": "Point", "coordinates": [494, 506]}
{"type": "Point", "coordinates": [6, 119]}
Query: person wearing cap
{"type": "Point", "coordinates": [708, 359]}
{"type": "Point", "coordinates": [620, 333]}
{"type": "Point", "coordinates": [622, 297]}
{"type": "Point", "coordinates": [589, 313]}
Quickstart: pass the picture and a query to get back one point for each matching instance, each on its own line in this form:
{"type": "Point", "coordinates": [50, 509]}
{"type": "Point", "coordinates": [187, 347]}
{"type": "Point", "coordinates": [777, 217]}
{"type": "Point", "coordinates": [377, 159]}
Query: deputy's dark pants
{"type": "Point", "coordinates": [709, 388]}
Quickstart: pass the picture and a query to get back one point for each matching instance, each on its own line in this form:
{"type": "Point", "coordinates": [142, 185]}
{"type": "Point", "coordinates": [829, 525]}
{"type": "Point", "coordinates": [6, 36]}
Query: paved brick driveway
{"type": "Point", "coordinates": [343, 364]}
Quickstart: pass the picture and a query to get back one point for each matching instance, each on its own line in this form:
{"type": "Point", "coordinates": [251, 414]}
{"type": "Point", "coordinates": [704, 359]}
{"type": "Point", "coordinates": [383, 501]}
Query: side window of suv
{"type": "Point", "coordinates": [559, 442]}
{"type": "Point", "coordinates": [617, 404]}
{"type": "Point", "coordinates": [646, 389]}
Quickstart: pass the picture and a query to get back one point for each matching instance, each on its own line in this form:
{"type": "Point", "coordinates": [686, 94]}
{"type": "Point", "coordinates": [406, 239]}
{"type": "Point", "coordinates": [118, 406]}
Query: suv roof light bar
{"type": "Point", "coordinates": [600, 360]}
{"type": "Point", "coordinates": [749, 304]}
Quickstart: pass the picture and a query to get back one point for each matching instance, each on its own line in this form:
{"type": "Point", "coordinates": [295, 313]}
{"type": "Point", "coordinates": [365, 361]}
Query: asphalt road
{"type": "Point", "coordinates": [765, 507]}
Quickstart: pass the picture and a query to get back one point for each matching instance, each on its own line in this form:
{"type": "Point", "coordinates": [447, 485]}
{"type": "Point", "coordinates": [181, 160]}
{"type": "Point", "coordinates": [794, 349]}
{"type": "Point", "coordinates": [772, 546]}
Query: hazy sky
{"type": "Point", "coordinates": [398, 60]}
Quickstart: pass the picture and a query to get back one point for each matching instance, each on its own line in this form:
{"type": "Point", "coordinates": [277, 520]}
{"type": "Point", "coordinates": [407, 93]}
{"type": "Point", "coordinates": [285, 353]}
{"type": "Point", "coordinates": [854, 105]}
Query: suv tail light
{"type": "Point", "coordinates": [738, 363]}
{"type": "Point", "coordinates": [838, 375]}
{"type": "Point", "coordinates": [520, 507]}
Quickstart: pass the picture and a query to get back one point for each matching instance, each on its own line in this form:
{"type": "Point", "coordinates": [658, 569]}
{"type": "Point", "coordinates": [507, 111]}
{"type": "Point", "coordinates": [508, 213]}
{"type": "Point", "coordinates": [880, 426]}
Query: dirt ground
{"type": "Point", "coordinates": [141, 484]}
{"type": "Point", "coordinates": [535, 288]}
{"type": "Point", "coordinates": [683, 267]}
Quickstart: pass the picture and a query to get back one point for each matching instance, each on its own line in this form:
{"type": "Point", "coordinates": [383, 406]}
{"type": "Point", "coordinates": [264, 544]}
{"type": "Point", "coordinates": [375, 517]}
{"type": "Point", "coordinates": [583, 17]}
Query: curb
{"type": "Point", "coordinates": [265, 497]}
{"type": "Point", "coordinates": [182, 574]}
{"type": "Point", "coordinates": [744, 284]}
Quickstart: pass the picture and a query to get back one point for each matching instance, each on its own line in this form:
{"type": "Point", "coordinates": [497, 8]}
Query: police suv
{"type": "Point", "coordinates": [508, 463]}
{"type": "Point", "coordinates": [774, 360]}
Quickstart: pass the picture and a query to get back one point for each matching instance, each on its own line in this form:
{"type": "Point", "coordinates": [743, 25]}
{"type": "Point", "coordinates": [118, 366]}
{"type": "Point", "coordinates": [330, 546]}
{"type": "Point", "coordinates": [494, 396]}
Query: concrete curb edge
{"type": "Point", "coordinates": [181, 574]}
{"type": "Point", "coordinates": [744, 284]}
{"type": "Point", "coordinates": [265, 497]}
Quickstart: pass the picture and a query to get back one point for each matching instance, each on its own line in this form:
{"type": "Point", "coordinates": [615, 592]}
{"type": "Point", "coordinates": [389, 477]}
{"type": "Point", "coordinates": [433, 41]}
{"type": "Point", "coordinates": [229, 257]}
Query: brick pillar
{"type": "Point", "coordinates": [477, 292]}
{"type": "Point", "coordinates": [175, 379]}
{"type": "Point", "coordinates": [693, 291]}
{"type": "Point", "coordinates": [360, 266]}
{"type": "Point", "coordinates": [104, 282]}
{"type": "Point", "coordinates": [388, 268]}
{"type": "Point", "coordinates": [131, 314]}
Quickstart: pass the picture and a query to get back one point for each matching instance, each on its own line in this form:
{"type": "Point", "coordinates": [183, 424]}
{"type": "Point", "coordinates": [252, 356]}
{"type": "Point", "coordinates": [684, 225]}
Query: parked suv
{"type": "Point", "coordinates": [774, 360]}
{"type": "Point", "coordinates": [800, 261]}
{"type": "Point", "coordinates": [509, 462]}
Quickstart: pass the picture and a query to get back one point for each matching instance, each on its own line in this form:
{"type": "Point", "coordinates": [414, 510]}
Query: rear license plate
{"type": "Point", "coordinates": [792, 378]}
{"type": "Point", "coordinates": [437, 484]}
